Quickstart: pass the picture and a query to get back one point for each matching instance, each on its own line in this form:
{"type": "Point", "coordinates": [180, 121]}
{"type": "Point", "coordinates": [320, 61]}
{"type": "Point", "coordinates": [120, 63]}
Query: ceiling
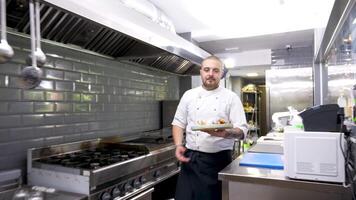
{"type": "Point", "coordinates": [233, 26]}
{"type": "Point", "coordinates": [270, 41]}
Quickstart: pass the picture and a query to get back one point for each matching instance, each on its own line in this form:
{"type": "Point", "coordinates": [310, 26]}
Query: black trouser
{"type": "Point", "coordinates": [198, 179]}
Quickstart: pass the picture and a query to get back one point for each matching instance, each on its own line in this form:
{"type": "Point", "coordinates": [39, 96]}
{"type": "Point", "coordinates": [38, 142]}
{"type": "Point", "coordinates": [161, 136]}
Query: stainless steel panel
{"type": "Point", "coordinates": [159, 156]}
{"type": "Point", "coordinates": [27, 190]}
{"type": "Point", "coordinates": [149, 184]}
{"type": "Point", "coordinates": [225, 190]}
{"type": "Point", "coordinates": [248, 191]}
{"type": "Point", "coordinates": [289, 87]}
{"type": "Point", "coordinates": [340, 80]}
{"type": "Point", "coordinates": [115, 15]}
{"type": "Point", "coordinates": [112, 172]}
{"type": "Point", "coordinates": [337, 70]}
{"type": "Point", "coordinates": [110, 28]}
{"type": "Point", "coordinates": [37, 153]}
{"type": "Point", "coordinates": [59, 180]}
{"type": "Point", "coordinates": [146, 195]}
{"type": "Point", "coordinates": [120, 32]}
{"type": "Point", "coordinates": [272, 177]}
{"type": "Point", "coordinates": [339, 14]}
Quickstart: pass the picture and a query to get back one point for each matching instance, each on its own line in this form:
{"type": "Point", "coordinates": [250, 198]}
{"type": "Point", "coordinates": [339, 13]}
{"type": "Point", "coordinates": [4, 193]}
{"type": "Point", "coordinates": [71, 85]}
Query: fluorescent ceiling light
{"type": "Point", "coordinates": [252, 74]}
{"type": "Point", "coordinates": [53, 55]}
{"type": "Point", "coordinates": [231, 48]}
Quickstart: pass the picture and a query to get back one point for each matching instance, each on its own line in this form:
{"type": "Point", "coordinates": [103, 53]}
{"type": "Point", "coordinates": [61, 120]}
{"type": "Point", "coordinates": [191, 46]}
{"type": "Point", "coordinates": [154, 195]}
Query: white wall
{"type": "Point", "coordinates": [248, 58]}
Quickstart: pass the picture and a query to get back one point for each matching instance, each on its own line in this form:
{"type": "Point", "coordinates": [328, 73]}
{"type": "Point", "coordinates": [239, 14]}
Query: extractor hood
{"type": "Point", "coordinates": [112, 29]}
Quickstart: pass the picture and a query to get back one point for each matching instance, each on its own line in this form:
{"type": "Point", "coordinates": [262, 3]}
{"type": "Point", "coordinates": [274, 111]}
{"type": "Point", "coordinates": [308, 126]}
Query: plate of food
{"type": "Point", "coordinates": [219, 125]}
{"type": "Point", "coordinates": [211, 127]}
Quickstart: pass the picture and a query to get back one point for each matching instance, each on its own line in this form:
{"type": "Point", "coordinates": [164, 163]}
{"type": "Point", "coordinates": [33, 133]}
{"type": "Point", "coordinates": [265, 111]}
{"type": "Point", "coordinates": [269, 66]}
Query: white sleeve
{"type": "Point", "coordinates": [180, 118]}
{"type": "Point", "coordinates": [237, 115]}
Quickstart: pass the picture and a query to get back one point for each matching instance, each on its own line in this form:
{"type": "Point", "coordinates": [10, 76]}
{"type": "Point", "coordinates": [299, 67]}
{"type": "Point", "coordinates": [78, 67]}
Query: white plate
{"type": "Point", "coordinates": [211, 127]}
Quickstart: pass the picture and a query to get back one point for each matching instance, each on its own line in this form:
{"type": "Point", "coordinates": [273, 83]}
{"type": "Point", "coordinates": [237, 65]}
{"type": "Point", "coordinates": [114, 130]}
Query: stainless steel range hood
{"type": "Point", "coordinates": [110, 28]}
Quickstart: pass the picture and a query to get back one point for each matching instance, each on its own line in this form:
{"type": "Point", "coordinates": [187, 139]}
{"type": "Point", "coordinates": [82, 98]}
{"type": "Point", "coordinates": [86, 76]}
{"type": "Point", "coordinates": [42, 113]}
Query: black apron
{"type": "Point", "coordinates": [198, 179]}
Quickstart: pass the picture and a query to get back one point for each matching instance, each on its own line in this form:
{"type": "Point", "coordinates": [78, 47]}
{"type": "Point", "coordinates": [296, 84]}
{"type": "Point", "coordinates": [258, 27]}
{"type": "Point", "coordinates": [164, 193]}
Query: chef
{"type": "Point", "coordinates": [206, 152]}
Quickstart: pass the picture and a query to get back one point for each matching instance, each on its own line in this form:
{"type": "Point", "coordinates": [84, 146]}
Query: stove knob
{"type": "Point", "coordinates": [105, 196]}
{"type": "Point", "coordinates": [142, 180]}
{"type": "Point", "coordinates": [157, 174]}
{"type": "Point", "coordinates": [128, 187]}
{"type": "Point", "coordinates": [136, 183]}
{"type": "Point", "coordinates": [115, 192]}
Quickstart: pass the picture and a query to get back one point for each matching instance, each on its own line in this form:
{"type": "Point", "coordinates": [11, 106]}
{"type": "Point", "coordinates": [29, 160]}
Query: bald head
{"type": "Point", "coordinates": [215, 58]}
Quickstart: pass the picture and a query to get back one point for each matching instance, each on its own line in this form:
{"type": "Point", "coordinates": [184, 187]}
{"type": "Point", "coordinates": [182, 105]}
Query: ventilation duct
{"type": "Point", "coordinates": [110, 28]}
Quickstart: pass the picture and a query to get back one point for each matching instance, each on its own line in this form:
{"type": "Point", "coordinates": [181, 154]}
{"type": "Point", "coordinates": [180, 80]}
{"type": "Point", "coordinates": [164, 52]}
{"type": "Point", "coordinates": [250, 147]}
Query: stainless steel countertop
{"type": "Point", "coordinates": [272, 177]}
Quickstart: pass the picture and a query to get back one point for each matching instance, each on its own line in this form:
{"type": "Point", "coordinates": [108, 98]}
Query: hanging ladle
{"type": "Point", "coordinates": [31, 75]}
{"type": "Point", "coordinates": [6, 52]}
{"type": "Point", "coordinates": [40, 56]}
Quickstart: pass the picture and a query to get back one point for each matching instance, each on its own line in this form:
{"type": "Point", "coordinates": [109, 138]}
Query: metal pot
{"type": "Point", "coordinates": [6, 52]}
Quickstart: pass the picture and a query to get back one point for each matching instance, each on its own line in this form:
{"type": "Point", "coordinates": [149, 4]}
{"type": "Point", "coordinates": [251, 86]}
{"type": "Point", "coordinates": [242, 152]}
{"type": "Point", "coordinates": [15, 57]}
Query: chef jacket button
{"type": "Point", "coordinates": [214, 109]}
{"type": "Point", "coordinates": [217, 97]}
{"type": "Point", "coordinates": [198, 147]}
{"type": "Point", "coordinates": [197, 108]}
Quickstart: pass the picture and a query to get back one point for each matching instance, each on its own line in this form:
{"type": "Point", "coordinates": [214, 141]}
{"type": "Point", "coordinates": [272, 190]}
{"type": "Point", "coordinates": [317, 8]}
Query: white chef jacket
{"type": "Point", "coordinates": [199, 104]}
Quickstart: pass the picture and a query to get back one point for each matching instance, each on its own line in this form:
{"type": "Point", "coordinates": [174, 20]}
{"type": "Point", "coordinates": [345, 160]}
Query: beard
{"type": "Point", "coordinates": [210, 84]}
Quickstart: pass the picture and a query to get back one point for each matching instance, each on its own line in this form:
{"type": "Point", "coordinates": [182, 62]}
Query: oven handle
{"type": "Point", "coordinates": [143, 194]}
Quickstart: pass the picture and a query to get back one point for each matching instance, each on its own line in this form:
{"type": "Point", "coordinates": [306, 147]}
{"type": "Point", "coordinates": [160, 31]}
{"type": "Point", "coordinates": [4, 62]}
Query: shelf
{"type": "Point", "coordinates": [253, 129]}
{"type": "Point", "coordinates": [251, 112]}
{"type": "Point", "coordinates": [255, 92]}
{"type": "Point", "coordinates": [251, 101]}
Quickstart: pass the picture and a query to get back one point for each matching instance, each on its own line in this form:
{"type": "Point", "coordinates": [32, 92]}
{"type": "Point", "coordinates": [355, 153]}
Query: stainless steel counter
{"type": "Point", "coordinates": [240, 183]}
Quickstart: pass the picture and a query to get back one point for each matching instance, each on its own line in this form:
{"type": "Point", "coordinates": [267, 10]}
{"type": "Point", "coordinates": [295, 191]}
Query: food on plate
{"type": "Point", "coordinates": [219, 121]}
{"type": "Point", "coordinates": [214, 127]}
{"type": "Point", "coordinates": [201, 122]}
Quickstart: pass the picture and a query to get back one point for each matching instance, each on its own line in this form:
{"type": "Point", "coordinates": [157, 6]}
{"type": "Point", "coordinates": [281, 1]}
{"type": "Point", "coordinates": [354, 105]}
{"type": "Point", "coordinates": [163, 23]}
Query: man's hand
{"type": "Point", "coordinates": [180, 154]}
{"type": "Point", "coordinates": [217, 133]}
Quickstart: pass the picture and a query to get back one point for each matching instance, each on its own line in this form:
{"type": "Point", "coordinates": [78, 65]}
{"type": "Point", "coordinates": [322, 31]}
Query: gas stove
{"type": "Point", "coordinates": [103, 168]}
{"type": "Point", "coordinates": [92, 159]}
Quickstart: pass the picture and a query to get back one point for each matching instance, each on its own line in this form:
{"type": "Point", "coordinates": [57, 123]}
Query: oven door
{"type": "Point", "coordinates": [145, 195]}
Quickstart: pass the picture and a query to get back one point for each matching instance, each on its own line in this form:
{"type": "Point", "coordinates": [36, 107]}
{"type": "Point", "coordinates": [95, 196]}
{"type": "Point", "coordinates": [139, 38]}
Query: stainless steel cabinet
{"type": "Point", "coordinates": [289, 87]}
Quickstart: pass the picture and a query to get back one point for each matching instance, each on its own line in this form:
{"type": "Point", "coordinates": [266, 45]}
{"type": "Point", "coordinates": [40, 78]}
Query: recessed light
{"type": "Point", "coordinates": [253, 74]}
{"type": "Point", "coordinates": [232, 49]}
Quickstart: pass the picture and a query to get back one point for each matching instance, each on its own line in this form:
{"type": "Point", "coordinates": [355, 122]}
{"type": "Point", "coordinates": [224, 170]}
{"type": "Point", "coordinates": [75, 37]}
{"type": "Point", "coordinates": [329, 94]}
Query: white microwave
{"type": "Point", "coordinates": [314, 156]}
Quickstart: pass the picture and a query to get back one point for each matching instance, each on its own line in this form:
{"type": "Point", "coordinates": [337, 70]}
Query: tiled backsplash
{"type": "Point", "coordinates": [82, 96]}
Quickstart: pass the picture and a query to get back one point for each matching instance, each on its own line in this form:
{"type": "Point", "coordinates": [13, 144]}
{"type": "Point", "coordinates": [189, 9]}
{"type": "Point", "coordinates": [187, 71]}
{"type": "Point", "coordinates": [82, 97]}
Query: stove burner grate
{"type": "Point", "coordinates": [92, 159]}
